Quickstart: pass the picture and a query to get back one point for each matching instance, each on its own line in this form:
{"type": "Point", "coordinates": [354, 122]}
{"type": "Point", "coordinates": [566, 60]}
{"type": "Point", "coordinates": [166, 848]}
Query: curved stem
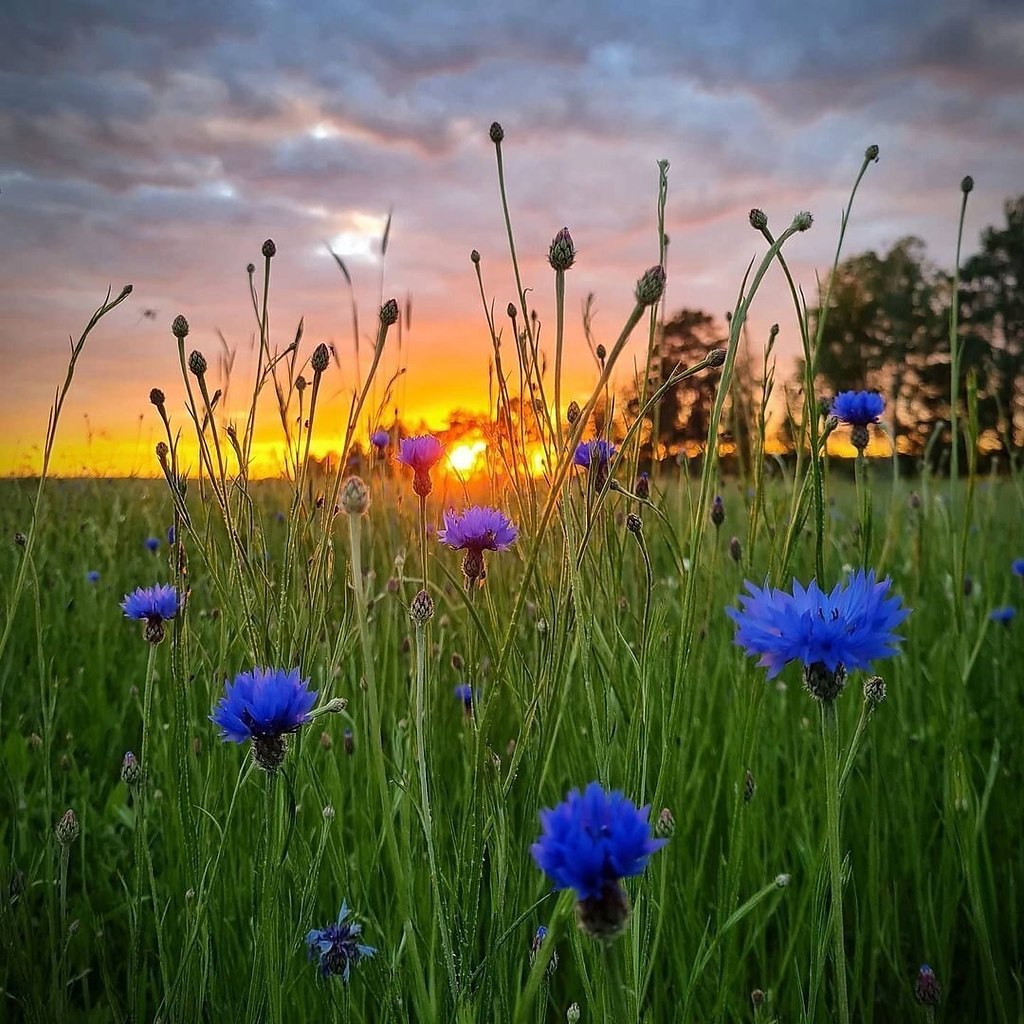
{"type": "Point", "coordinates": [830, 739]}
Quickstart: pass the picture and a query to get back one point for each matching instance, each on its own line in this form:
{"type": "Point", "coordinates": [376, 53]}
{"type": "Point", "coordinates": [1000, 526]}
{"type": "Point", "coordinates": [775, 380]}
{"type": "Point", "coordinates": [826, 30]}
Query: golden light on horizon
{"type": "Point", "coordinates": [463, 458]}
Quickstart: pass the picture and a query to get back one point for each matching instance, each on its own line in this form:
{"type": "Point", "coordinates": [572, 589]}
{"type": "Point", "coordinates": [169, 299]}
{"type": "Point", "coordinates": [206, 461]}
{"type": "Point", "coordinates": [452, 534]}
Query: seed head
{"type": "Point", "coordinates": [179, 327]}
{"type": "Point", "coordinates": [572, 414]}
{"type": "Point", "coordinates": [421, 611]}
{"type": "Point", "coordinates": [634, 524]}
{"type": "Point", "coordinates": [757, 998]}
{"type": "Point", "coordinates": [650, 286]}
{"type": "Point", "coordinates": [874, 691]}
{"type": "Point", "coordinates": [871, 153]}
{"type": "Point", "coordinates": [197, 363]}
{"type": "Point", "coordinates": [389, 313]}
{"type": "Point", "coordinates": [355, 496]}
{"type": "Point", "coordinates": [497, 133]}
{"type": "Point", "coordinates": [781, 881]}
{"type": "Point", "coordinates": [967, 184]}
{"type": "Point", "coordinates": [926, 987]}
{"type": "Point", "coordinates": [803, 220]}
{"type": "Point", "coordinates": [562, 252]}
{"type": "Point", "coordinates": [66, 830]}
{"type": "Point", "coordinates": [156, 397]}
{"type": "Point", "coordinates": [716, 357]}
{"type": "Point", "coordinates": [269, 249]}
{"type": "Point", "coordinates": [735, 549]}
{"type": "Point", "coordinates": [321, 357]}
{"type": "Point", "coordinates": [758, 219]}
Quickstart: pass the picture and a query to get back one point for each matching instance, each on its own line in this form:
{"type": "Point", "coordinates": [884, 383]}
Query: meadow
{"type": "Point", "coordinates": [807, 855]}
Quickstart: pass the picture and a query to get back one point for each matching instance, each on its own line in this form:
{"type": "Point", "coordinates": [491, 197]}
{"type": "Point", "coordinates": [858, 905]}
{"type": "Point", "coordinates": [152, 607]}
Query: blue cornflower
{"type": "Point", "coordinates": [476, 530]}
{"type": "Point", "coordinates": [588, 843]}
{"type": "Point", "coordinates": [828, 633]}
{"type": "Point", "coordinates": [337, 948]}
{"type": "Point", "coordinates": [264, 705]}
{"type": "Point", "coordinates": [536, 943]}
{"type": "Point", "coordinates": [858, 409]}
{"type": "Point", "coordinates": [170, 534]}
{"type": "Point", "coordinates": [595, 456]}
{"type": "Point", "coordinates": [379, 439]}
{"type": "Point", "coordinates": [153, 606]}
{"type": "Point", "coordinates": [1017, 566]}
{"type": "Point", "coordinates": [153, 544]}
{"type": "Point", "coordinates": [1003, 614]}
{"type": "Point", "coordinates": [464, 692]}
{"type": "Point", "coordinates": [92, 576]}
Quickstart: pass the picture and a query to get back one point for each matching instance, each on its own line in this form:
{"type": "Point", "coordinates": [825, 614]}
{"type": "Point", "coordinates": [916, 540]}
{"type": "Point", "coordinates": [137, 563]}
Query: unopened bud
{"type": "Point", "coordinates": [269, 249]}
{"type": "Point", "coordinates": [718, 511]}
{"type": "Point", "coordinates": [250, 268]}
{"type": "Point", "coordinates": [781, 881]}
{"type": "Point", "coordinates": [497, 133]}
{"type": "Point", "coordinates": [131, 770]}
{"type": "Point", "coordinates": [475, 256]}
{"type": "Point", "coordinates": [156, 397]}
{"type": "Point", "coordinates": [874, 691]}
{"type": "Point", "coordinates": [20, 539]}
{"type": "Point", "coordinates": [328, 812]}
{"type": "Point", "coordinates": [321, 357]}
{"type": "Point", "coordinates": [179, 327]}
{"type": "Point", "coordinates": [650, 286]}
{"type": "Point", "coordinates": [803, 220]}
{"type": "Point", "coordinates": [389, 313]}
{"type": "Point", "coordinates": [633, 523]}
{"type": "Point", "coordinates": [601, 352]}
{"type": "Point", "coordinates": [757, 998]}
{"type": "Point", "coordinates": [967, 184]}
{"type": "Point", "coordinates": [162, 450]}
{"type": "Point", "coordinates": [421, 611]}
{"type": "Point", "coordinates": [572, 1015]}
{"type": "Point", "coordinates": [511, 310]}
{"type": "Point", "coordinates": [643, 486]}
{"type": "Point", "coordinates": [334, 706]}
{"type": "Point", "coordinates": [716, 357]}
{"type": "Point", "coordinates": [197, 363]}
{"type": "Point", "coordinates": [871, 153]}
{"type": "Point", "coordinates": [562, 252]}
{"type": "Point", "coordinates": [300, 383]}
{"type": "Point", "coordinates": [758, 219]}
{"type": "Point", "coordinates": [355, 496]}
{"type": "Point", "coordinates": [735, 549]}
{"type": "Point", "coordinates": [665, 826]}
{"type": "Point", "coordinates": [926, 987]}
{"type": "Point", "coordinates": [67, 828]}
{"type": "Point", "coordinates": [572, 414]}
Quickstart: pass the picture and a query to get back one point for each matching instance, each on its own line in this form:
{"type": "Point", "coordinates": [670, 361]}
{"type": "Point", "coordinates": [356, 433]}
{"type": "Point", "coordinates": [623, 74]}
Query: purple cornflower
{"type": "Point", "coordinates": [264, 705]}
{"type": "Point", "coordinates": [153, 606]}
{"type": "Point", "coordinates": [92, 576]}
{"type": "Point", "coordinates": [464, 692]}
{"type": "Point", "coordinates": [828, 633]}
{"type": "Point", "coordinates": [926, 987]}
{"type": "Point", "coordinates": [858, 409]}
{"type": "Point", "coordinates": [588, 843]}
{"type": "Point", "coordinates": [152, 544]}
{"type": "Point", "coordinates": [475, 530]}
{"type": "Point", "coordinates": [420, 454]}
{"type": "Point", "coordinates": [1017, 566]}
{"type": "Point", "coordinates": [595, 456]}
{"type": "Point", "coordinates": [379, 439]}
{"type": "Point", "coordinates": [1003, 614]}
{"type": "Point", "coordinates": [337, 948]}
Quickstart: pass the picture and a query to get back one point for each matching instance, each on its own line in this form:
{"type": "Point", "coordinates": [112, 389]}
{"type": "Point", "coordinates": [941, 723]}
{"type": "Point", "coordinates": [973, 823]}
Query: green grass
{"type": "Point", "coordinates": [931, 810]}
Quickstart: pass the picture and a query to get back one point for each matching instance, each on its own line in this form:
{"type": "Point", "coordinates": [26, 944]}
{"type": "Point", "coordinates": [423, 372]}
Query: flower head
{"type": "Point", "coordinates": [153, 544]}
{"type": "Point", "coordinates": [926, 987]}
{"type": "Point", "coordinates": [847, 628]}
{"type": "Point", "coordinates": [588, 843]}
{"type": "Point", "coordinates": [858, 408]}
{"type": "Point", "coordinates": [264, 705]}
{"type": "Point", "coordinates": [594, 456]}
{"type": "Point", "coordinates": [92, 576]}
{"type": "Point", "coordinates": [153, 606]}
{"type": "Point", "coordinates": [1003, 614]}
{"type": "Point", "coordinates": [337, 948]}
{"type": "Point", "coordinates": [170, 534]}
{"type": "Point", "coordinates": [464, 692]}
{"type": "Point", "coordinates": [420, 454]}
{"type": "Point", "coordinates": [475, 530]}
{"type": "Point", "coordinates": [379, 439]}
{"type": "Point", "coordinates": [1017, 566]}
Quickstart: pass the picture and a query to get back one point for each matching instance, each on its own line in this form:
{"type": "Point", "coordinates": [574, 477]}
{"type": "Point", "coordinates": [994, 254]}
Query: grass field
{"type": "Point", "coordinates": [819, 851]}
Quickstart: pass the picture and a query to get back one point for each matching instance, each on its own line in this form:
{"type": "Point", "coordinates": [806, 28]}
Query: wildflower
{"type": "Point", "coordinates": [131, 770]}
{"type": "Point", "coordinates": [476, 530]}
{"type": "Point", "coordinates": [562, 252]}
{"type": "Point", "coordinates": [319, 360]}
{"type": "Point", "coordinates": [154, 606]}
{"type": "Point", "coordinates": [464, 692]}
{"type": "Point", "coordinates": [389, 313]}
{"type": "Point", "coordinates": [264, 705]}
{"type": "Point", "coordinates": [379, 439]}
{"type": "Point", "coordinates": [336, 948]}
{"type": "Point", "coordinates": [874, 691]}
{"type": "Point", "coordinates": [588, 843]}
{"type": "Point", "coordinates": [643, 487]}
{"type": "Point", "coordinates": [665, 826]}
{"type": "Point", "coordinates": [1003, 614]}
{"type": "Point", "coordinates": [595, 456]}
{"type": "Point", "coordinates": [67, 828]}
{"type": "Point", "coordinates": [858, 409]}
{"type": "Point", "coordinates": [650, 286]}
{"type": "Point", "coordinates": [421, 610]}
{"type": "Point", "coordinates": [1017, 566]}
{"type": "Point", "coordinates": [179, 327]}
{"type": "Point", "coordinates": [420, 454]}
{"type": "Point", "coordinates": [536, 943]}
{"type": "Point", "coordinates": [269, 249]}
{"type": "Point", "coordinates": [92, 576]}
{"type": "Point", "coordinates": [828, 633]}
{"type": "Point", "coordinates": [170, 534]}
{"type": "Point", "coordinates": [153, 544]}
{"type": "Point", "coordinates": [717, 511]}
{"type": "Point", "coordinates": [735, 549]}
{"type": "Point", "coordinates": [496, 132]}
{"type": "Point", "coordinates": [926, 987]}
{"type": "Point", "coordinates": [355, 496]}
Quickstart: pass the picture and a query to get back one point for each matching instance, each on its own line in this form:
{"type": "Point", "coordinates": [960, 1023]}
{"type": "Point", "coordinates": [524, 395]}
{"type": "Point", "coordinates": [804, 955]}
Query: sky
{"type": "Point", "coordinates": [161, 144]}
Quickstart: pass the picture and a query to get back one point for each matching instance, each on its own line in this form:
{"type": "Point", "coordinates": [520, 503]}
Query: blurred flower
{"type": "Point", "coordinates": [153, 544]}
{"type": "Point", "coordinates": [1003, 614]}
{"type": "Point", "coordinates": [153, 606]}
{"type": "Point", "coordinates": [379, 439]}
{"type": "Point", "coordinates": [420, 454]}
{"type": "Point", "coordinates": [170, 534]}
{"type": "Point", "coordinates": [588, 843]}
{"type": "Point", "coordinates": [717, 511]}
{"type": "Point", "coordinates": [475, 530]}
{"type": "Point", "coordinates": [1017, 566]}
{"type": "Point", "coordinates": [464, 692]}
{"type": "Point", "coordinates": [264, 705]}
{"type": "Point", "coordinates": [131, 770]}
{"type": "Point", "coordinates": [828, 633]}
{"type": "Point", "coordinates": [92, 576]}
{"type": "Point", "coordinates": [336, 948]}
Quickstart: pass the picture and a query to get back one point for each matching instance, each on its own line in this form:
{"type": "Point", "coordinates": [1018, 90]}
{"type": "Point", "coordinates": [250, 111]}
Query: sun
{"type": "Point", "coordinates": [463, 457]}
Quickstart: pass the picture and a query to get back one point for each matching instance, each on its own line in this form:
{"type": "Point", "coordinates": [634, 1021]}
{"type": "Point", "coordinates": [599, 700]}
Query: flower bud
{"type": "Point", "coordinates": [718, 511]}
{"type": "Point", "coordinates": [421, 611]}
{"type": "Point", "coordinates": [67, 830]}
{"type": "Point", "coordinates": [355, 496]}
{"type": "Point", "coordinates": [601, 352]}
{"type": "Point", "coordinates": [650, 286]}
{"type": "Point", "coordinates": [716, 357]}
{"type": "Point", "coordinates": [665, 826]}
{"type": "Point", "coordinates": [562, 252]}
{"type": "Point", "coordinates": [497, 133]}
{"type": "Point", "coordinates": [871, 153]}
{"type": "Point", "coordinates": [131, 770]}
{"type": "Point", "coordinates": [634, 524]}
{"type": "Point", "coordinates": [389, 313]}
{"type": "Point", "coordinates": [20, 539]}
{"type": "Point", "coordinates": [572, 1015]}
{"type": "Point", "coordinates": [250, 268]}
{"type": "Point", "coordinates": [967, 184]}
{"type": "Point", "coordinates": [735, 549]}
{"type": "Point", "coordinates": [179, 327]}
{"type": "Point", "coordinates": [758, 219]}
{"type": "Point", "coordinates": [803, 220]}
{"type": "Point", "coordinates": [162, 451]}
{"type": "Point", "coordinates": [781, 881]}
{"type": "Point", "coordinates": [926, 987]}
{"type": "Point", "coordinates": [510, 309]}
{"type": "Point", "coordinates": [642, 489]}
{"type": "Point", "coordinates": [197, 363]}
{"type": "Point", "coordinates": [475, 256]}
{"type": "Point", "coordinates": [572, 414]}
{"type": "Point", "coordinates": [874, 691]}
{"type": "Point", "coordinates": [269, 249]}
{"type": "Point", "coordinates": [321, 357]}
{"type": "Point", "coordinates": [156, 397]}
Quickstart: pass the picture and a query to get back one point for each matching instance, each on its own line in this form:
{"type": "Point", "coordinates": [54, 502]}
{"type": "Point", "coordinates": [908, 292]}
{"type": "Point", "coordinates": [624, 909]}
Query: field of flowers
{"type": "Point", "coordinates": [584, 744]}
